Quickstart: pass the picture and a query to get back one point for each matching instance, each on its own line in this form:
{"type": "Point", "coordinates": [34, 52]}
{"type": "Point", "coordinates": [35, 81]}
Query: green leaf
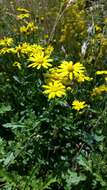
{"type": "Point", "coordinates": [87, 165]}
{"type": "Point", "coordinates": [72, 178]}
{"type": "Point", "coordinates": [9, 158]}
{"type": "Point", "coordinates": [4, 108]}
{"type": "Point", "coordinates": [13, 126]}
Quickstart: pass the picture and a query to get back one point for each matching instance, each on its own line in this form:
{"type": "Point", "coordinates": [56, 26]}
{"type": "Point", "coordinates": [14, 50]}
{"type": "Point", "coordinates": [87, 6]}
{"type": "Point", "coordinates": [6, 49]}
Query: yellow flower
{"type": "Point", "coordinates": [28, 49]}
{"type": "Point", "coordinates": [97, 28]}
{"type": "Point", "coordinates": [77, 105]}
{"type": "Point", "coordinates": [31, 27]}
{"type": "Point", "coordinates": [22, 16]}
{"type": "Point", "coordinates": [6, 41]}
{"type": "Point", "coordinates": [23, 29]}
{"type": "Point", "coordinates": [49, 50]}
{"type": "Point", "coordinates": [66, 69]}
{"type": "Point", "coordinates": [46, 36]}
{"type": "Point", "coordinates": [25, 48]}
{"type": "Point", "coordinates": [101, 72]}
{"type": "Point", "coordinates": [100, 89]}
{"type": "Point", "coordinates": [54, 89]}
{"type": "Point", "coordinates": [73, 71]}
{"type": "Point", "coordinates": [39, 60]}
{"type": "Point", "coordinates": [22, 9]}
{"type": "Point", "coordinates": [17, 64]}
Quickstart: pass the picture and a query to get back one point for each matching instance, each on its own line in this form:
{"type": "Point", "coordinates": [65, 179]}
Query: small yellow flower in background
{"type": "Point", "coordinates": [49, 50]}
{"type": "Point", "coordinates": [40, 60]}
{"type": "Point", "coordinates": [6, 41]}
{"type": "Point", "coordinates": [99, 90]}
{"type": "Point", "coordinates": [17, 64]}
{"type": "Point", "coordinates": [54, 89]}
{"type": "Point", "coordinates": [101, 72]}
{"type": "Point", "coordinates": [23, 16]}
{"type": "Point", "coordinates": [78, 105]}
{"type": "Point", "coordinates": [23, 29]}
{"type": "Point", "coordinates": [97, 28]}
{"type": "Point", "coordinates": [31, 27]}
{"type": "Point", "coordinates": [21, 9]}
{"type": "Point", "coordinates": [46, 36]}
{"type": "Point", "coordinates": [69, 88]}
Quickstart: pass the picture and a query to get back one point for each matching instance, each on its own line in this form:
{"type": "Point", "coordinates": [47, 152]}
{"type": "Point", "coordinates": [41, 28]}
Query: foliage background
{"type": "Point", "coordinates": [46, 144]}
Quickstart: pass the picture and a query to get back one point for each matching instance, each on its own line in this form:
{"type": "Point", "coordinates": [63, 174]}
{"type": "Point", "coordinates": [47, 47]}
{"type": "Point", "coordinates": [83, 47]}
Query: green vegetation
{"type": "Point", "coordinates": [53, 95]}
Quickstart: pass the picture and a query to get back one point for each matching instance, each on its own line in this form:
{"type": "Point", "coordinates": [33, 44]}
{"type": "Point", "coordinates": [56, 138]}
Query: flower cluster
{"type": "Point", "coordinates": [36, 54]}
{"type": "Point", "coordinates": [22, 13]}
{"type": "Point", "coordinates": [29, 28]}
{"type": "Point", "coordinates": [66, 74]}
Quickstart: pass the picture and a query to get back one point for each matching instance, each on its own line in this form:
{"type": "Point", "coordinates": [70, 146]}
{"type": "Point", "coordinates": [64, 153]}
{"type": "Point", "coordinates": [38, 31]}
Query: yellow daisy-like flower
{"type": "Point", "coordinates": [78, 105]}
{"type": "Point", "coordinates": [66, 69]}
{"type": "Point", "coordinates": [40, 60]}
{"type": "Point", "coordinates": [70, 70]}
{"type": "Point", "coordinates": [54, 89]}
{"type": "Point", "coordinates": [6, 41]}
